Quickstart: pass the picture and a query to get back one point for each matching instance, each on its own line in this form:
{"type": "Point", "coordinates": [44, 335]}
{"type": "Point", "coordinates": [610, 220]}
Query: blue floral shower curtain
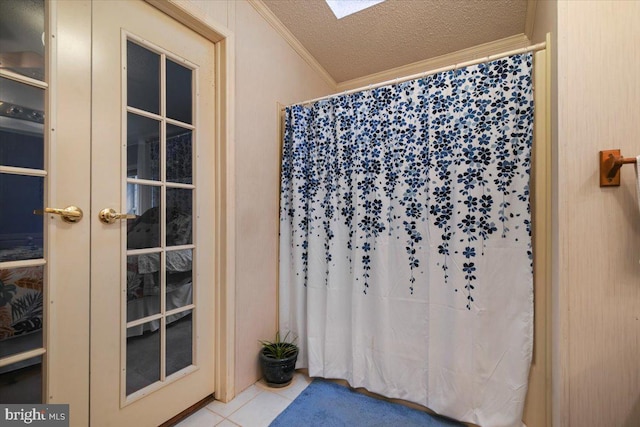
{"type": "Point", "coordinates": [405, 240]}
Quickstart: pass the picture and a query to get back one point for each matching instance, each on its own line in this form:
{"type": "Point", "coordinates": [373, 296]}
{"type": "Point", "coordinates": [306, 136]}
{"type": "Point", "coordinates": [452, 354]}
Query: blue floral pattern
{"type": "Point", "coordinates": [440, 164]}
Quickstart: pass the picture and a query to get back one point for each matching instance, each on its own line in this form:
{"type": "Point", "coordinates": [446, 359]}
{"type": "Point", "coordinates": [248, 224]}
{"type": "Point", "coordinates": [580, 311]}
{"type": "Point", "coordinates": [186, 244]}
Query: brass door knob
{"type": "Point", "coordinates": [109, 216]}
{"type": "Point", "coordinates": [70, 214]}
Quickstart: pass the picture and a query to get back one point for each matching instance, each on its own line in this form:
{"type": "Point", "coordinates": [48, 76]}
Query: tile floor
{"type": "Point", "coordinates": [257, 406]}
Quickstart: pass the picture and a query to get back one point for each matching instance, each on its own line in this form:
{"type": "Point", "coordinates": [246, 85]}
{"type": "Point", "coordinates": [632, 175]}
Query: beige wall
{"type": "Point", "coordinates": [267, 71]}
{"type": "Point", "coordinates": [597, 275]}
{"type": "Point", "coordinates": [545, 20]}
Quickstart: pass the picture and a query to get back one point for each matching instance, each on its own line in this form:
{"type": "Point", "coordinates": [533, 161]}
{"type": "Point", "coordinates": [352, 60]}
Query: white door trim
{"type": "Point", "coordinates": [225, 193]}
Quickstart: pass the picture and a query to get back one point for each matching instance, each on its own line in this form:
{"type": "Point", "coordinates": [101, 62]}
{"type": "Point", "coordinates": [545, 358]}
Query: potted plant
{"type": "Point", "coordinates": [278, 360]}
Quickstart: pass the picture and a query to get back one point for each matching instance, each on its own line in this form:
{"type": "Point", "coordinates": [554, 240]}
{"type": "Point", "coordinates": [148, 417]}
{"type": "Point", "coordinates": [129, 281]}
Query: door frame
{"type": "Point", "coordinates": [224, 164]}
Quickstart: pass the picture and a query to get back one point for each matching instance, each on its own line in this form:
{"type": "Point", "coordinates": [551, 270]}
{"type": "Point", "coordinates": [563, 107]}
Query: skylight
{"type": "Point", "coordinates": [342, 8]}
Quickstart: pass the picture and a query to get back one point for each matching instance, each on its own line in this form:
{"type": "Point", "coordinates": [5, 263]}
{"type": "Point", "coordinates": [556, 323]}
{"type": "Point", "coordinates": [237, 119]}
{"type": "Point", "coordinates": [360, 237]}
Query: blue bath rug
{"type": "Point", "coordinates": [326, 404]}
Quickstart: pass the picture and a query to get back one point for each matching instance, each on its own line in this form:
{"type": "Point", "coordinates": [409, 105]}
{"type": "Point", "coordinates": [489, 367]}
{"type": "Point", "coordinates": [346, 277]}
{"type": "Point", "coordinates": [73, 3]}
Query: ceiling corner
{"type": "Point", "coordinates": [288, 36]}
{"type": "Point", "coordinates": [530, 19]}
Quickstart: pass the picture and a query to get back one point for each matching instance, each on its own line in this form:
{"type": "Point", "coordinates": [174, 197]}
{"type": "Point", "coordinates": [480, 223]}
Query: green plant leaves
{"type": "Point", "coordinates": [279, 348]}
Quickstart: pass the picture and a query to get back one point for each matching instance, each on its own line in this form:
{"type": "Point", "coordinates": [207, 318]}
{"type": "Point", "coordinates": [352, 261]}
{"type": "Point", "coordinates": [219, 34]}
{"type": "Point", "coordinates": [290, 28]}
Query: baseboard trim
{"type": "Point", "coordinates": [189, 411]}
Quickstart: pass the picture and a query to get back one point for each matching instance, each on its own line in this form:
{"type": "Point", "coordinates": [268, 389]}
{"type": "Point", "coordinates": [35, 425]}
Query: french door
{"type": "Point", "coordinates": [118, 124]}
{"type": "Point", "coordinates": [152, 215]}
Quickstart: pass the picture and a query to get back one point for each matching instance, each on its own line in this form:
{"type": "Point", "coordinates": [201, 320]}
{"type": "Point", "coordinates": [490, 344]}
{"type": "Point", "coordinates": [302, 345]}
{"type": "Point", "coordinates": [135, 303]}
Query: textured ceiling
{"type": "Point", "coordinates": [396, 32]}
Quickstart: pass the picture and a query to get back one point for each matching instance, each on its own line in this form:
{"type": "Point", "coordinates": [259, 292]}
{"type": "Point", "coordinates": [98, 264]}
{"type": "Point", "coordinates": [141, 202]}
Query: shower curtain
{"type": "Point", "coordinates": [405, 239]}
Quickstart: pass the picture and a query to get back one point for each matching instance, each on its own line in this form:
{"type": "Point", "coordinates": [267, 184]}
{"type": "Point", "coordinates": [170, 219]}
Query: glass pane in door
{"type": "Point", "coordinates": [143, 78]}
{"type": "Point", "coordinates": [143, 286]}
{"type": "Point", "coordinates": [21, 293]}
{"type": "Point", "coordinates": [143, 355]}
{"type": "Point", "coordinates": [179, 155]}
{"type": "Point", "coordinates": [179, 92]}
{"type": "Point", "coordinates": [144, 231]}
{"type": "Point", "coordinates": [21, 125]}
{"type": "Point", "coordinates": [143, 147]}
{"type": "Point", "coordinates": [179, 342]}
{"type": "Point", "coordinates": [21, 235]}
{"type": "Point", "coordinates": [22, 37]}
{"type": "Point", "coordinates": [179, 277]}
{"type": "Point", "coordinates": [179, 216]}
{"type": "Point", "coordinates": [21, 382]}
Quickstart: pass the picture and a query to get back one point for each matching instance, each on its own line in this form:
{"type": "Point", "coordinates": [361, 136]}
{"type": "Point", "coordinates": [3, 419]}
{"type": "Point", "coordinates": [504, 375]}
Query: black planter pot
{"type": "Point", "coordinates": [278, 372]}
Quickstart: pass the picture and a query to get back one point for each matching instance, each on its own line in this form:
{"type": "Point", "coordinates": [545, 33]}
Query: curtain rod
{"type": "Point", "coordinates": [489, 58]}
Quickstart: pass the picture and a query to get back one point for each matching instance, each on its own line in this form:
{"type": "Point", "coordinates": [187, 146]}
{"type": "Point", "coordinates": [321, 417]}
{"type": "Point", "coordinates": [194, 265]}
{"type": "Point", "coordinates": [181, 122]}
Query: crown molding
{"type": "Point", "coordinates": [531, 18]}
{"type": "Point", "coordinates": [492, 48]}
{"type": "Point", "coordinates": [284, 32]}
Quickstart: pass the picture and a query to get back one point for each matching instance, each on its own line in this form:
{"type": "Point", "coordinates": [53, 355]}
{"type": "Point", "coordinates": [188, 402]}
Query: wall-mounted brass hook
{"type": "Point", "coordinates": [610, 163]}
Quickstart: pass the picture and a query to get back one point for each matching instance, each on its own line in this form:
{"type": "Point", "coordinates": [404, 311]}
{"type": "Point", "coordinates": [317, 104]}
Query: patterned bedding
{"type": "Point", "coordinates": [20, 301]}
{"type": "Point", "coordinates": [143, 271]}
